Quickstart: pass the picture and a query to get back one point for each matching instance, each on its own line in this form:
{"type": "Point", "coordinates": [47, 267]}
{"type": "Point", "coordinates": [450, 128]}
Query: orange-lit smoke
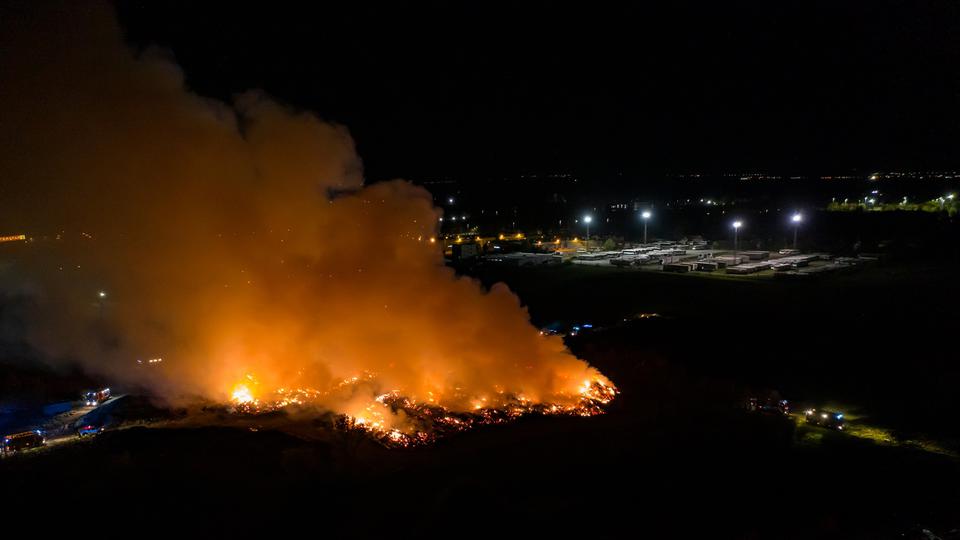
{"type": "Point", "coordinates": [233, 240]}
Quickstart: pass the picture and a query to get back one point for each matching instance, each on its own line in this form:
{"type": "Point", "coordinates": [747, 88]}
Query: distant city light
{"type": "Point", "coordinates": [646, 215]}
{"type": "Point", "coordinates": [797, 218]}
{"type": "Point", "coordinates": [102, 294]}
{"type": "Point", "coordinates": [737, 224]}
{"type": "Point", "coordinates": [587, 219]}
{"type": "Point", "coordinates": [450, 200]}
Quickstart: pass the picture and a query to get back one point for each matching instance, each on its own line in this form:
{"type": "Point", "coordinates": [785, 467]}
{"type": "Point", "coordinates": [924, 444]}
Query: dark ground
{"type": "Point", "coordinates": [673, 458]}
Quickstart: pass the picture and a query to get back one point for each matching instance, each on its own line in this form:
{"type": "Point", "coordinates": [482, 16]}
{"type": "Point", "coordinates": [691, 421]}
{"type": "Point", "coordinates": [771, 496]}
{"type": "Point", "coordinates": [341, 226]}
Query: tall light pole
{"type": "Point", "coordinates": [587, 220]}
{"type": "Point", "coordinates": [646, 217]}
{"type": "Point", "coordinates": [796, 219]}
{"type": "Point", "coordinates": [736, 230]}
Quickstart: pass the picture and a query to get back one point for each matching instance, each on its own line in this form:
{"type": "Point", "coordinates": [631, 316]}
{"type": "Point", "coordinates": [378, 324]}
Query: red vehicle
{"type": "Point", "coordinates": [21, 441]}
{"type": "Point", "coordinates": [96, 397]}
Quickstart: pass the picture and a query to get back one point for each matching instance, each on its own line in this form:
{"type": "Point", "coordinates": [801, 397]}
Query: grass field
{"type": "Point", "coordinates": [879, 339]}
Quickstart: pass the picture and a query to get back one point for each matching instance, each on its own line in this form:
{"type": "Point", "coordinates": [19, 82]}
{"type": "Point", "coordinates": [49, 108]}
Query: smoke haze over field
{"type": "Point", "coordinates": [231, 239]}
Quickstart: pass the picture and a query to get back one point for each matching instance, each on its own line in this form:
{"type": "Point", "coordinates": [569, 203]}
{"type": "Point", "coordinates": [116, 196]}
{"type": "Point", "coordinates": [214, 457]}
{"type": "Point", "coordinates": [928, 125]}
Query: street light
{"type": "Point", "coordinates": [646, 217]}
{"type": "Point", "coordinates": [945, 198]}
{"type": "Point", "coordinates": [796, 219]}
{"type": "Point", "coordinates": [587, 220]}
{"type": "Point", "coordinates": [736, 229]}
{"type": "Point", "coordinates": [101, 300]}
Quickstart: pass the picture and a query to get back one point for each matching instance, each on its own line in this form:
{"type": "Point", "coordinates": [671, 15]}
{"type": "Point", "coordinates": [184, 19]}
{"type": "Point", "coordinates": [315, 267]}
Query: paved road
{"type": "Point", "coordinates": [62, 428]}
{"type": "Point", "coordinates": [66, 424]}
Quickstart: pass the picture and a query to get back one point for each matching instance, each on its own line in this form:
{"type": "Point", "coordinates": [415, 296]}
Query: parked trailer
{"type": "Point", "coordinates": [729, 260]}
{"type": "Point", "coordinates": [748, 268]}
{"type": "Point", "coordinates": [707, 266]}
{"type": "Point", "coordinates": [677, 267]}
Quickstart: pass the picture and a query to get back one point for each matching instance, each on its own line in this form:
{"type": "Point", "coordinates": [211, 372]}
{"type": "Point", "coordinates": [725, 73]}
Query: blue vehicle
{"type": "Point", "coordinates": [89, 430]}
{"type": "Point", "coordinates": [579, 328]}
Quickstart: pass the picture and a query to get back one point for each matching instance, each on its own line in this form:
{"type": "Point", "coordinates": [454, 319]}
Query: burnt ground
{"type": "Point", "coordinates": [674, 457]}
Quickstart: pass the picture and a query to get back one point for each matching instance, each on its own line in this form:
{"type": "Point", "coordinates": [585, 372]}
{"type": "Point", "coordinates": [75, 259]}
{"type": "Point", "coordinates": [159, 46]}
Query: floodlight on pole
{"type": "Point", "coordinates": [736, 230]}
{"type": "Point", "coordinates": [796, 219]}
{"type": "Point", "coordinates": [646, 217]}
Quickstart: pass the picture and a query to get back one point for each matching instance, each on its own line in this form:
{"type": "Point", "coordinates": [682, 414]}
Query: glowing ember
{"type": "Point", "coordinates": [398, 421]}
{"type": "Point", "coordinates": [241, 395]}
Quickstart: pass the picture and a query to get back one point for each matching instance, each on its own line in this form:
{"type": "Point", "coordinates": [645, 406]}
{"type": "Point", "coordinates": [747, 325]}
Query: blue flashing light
{"type": "Point", "coordinates": [588, 326]}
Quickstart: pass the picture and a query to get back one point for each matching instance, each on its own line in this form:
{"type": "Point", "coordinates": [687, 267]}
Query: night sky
{"type": "Point", "coordinates": [433, 90]}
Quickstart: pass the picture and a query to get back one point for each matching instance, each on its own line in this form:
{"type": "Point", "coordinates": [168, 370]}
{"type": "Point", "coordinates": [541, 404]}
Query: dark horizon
{"type": "Point", "coordinates": [432, 90]}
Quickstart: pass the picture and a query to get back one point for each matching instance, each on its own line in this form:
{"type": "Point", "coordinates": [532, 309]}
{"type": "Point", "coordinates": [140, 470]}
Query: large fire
{"type": "Point", "coordinates": [241, 238]}
{"type": "Point", "coordinates": [241, 395]}
{"type": "Point", "coordinates": [398, 421]}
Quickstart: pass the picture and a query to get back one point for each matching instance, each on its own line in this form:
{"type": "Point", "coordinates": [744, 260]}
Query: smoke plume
{"type": "Point", "coordinates": [230, 239]}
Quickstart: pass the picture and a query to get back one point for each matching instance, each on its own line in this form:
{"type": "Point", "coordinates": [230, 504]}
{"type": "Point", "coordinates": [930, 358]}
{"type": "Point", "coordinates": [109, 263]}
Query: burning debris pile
{"type": "Point", "coordinates": [241, 237]}
{"type": "Point", "coordinates": [400, 422]}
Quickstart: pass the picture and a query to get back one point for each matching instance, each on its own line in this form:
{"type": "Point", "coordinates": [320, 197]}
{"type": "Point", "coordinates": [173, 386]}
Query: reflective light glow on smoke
{"type": "Point", "coordinates": [239, 243]}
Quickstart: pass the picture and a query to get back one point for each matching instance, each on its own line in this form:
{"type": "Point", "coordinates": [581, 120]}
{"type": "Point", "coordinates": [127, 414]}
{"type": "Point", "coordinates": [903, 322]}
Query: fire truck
{"type": "Point", "coordinates": [96, 397]}
{"type": "Point", "coordinates": [21, 441]}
